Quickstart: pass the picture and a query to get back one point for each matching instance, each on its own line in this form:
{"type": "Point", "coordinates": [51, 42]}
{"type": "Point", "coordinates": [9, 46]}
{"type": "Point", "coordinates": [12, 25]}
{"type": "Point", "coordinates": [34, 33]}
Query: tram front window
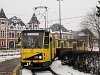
{"type": "Point", "coordinates": [32, 40]}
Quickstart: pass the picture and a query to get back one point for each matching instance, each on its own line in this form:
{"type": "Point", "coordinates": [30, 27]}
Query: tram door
{"type": "Point", "coordinates": [62, 44]}
{"type": "Point", "coordinates": [74, 46]}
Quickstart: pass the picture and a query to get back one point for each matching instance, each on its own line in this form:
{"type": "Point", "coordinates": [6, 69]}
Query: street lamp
{"type": "Point", "coordinates": [60, 16]}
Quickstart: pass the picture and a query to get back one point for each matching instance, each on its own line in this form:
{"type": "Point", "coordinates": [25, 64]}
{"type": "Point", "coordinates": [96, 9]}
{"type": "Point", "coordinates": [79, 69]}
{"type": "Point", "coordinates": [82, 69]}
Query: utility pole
{"type": "Point", "coordinates": [45, 21]}
{"type": "Point", "coordinates": [60, 17]}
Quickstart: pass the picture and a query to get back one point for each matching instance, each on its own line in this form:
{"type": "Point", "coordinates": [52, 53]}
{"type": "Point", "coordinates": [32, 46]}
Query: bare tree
{"type": "Point", "coordinates": [89, 38]}
{"type": "Point", "coordinates": [92, 22]}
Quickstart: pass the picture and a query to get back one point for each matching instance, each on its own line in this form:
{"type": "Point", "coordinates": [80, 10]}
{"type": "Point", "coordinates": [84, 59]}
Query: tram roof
{"type": "Point", "coordinates": [30, 31]}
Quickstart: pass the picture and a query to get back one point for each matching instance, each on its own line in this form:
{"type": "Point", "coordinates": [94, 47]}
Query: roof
{"type": "Point", "coordinates": [34, 19]}
{"type": "Point", "coordinates": [57, 27]}
{"type": "Point", "coordinates": [81, 34]}
{"type": "Point", "coordinates": [15, 20]}
{"type": "Point", "coordinates": [2, 14]}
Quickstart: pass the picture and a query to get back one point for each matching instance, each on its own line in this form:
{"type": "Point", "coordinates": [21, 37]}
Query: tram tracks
{"type": "Point", "coordinates": [54, 73]}
{"type": "Point", "coordinates": [48, 72]}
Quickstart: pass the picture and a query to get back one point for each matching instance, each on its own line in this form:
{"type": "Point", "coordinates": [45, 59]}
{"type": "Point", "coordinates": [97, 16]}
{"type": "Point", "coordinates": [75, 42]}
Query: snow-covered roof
{"type": "Point", "coordinates": [81, 34]}
{"type": "Point", "coordinates": [15, 20]}
{"type": "Point", "coordinates": [56, 28]}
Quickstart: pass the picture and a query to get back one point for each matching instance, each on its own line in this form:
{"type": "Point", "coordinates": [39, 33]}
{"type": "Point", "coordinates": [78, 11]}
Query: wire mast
{"type": "Point", "coordinates": [60, 17]}
{"type": "Point", "coordinates": [43, 14]}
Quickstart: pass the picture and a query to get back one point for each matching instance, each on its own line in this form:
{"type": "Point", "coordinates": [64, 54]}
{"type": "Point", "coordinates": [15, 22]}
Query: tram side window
{"type": "Point", "coordinates": [46, 34]}
{"type": "Point", "coordinates": [59, 43]}
{"type": "Point", "coordinates": [70, 44]}
{"type": "Point", "coordinates": [46, 40]}
{"type": "Point", "coordinates": [64, 43]}
{"type": "Point", "coordinates": [79, 44]}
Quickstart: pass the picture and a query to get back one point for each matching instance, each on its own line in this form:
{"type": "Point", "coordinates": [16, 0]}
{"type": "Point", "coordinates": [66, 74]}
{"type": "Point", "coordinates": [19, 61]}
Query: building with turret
{"type": "Point", "coordinates": [10, 30]}
{"type": "Point", "coordinates": [34, 23]}
{"type": "Point", "coordinates": [3, 29]}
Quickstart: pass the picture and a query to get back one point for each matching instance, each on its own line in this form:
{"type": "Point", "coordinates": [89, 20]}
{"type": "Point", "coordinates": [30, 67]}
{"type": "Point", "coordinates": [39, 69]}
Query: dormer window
{"type": "Point", "coordinates": [11, 27]}
{"type": "Point", "coordinates": [35, 25]}
{"type": "Point", "coordinates": [2, 22]}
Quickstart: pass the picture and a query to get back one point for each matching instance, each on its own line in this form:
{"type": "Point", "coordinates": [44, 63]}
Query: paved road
{"type": "Point", "coordinates": [7, 67]}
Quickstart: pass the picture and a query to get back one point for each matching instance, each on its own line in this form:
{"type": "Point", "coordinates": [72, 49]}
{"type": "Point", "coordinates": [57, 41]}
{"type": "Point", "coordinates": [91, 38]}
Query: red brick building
{"type": "Point", "coordinates": [10, 29]}
{"type": "Point", "coordinates": [3, 29]}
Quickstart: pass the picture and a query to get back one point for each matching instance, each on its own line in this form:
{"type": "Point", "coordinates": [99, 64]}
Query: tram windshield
{"type": "Point", "coordinates": [32, 40]}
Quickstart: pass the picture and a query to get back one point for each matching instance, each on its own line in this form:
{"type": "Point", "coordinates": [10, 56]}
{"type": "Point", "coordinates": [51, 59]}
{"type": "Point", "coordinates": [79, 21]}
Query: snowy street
{"type": "Point", "coordinates": [58, 68]}
{"type": "Point", "coordinates": [9, 59]}
{"type": "Point", "coordinates": [9, 54]}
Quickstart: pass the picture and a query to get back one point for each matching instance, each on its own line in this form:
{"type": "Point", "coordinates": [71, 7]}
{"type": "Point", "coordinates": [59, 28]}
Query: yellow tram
{"type": "Point", "coordinates": [37, 50]}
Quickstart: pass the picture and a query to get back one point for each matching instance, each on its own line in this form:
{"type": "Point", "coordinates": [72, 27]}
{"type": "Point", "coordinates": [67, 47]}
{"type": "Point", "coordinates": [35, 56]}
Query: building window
{"type": "Point", "coordinates": [7, 34]}
{"type": "Point", "coordinates": [58, 36]}
{"type": "Point", "coordinates": [11, 34]}
{"type": "Point", "coordinates": [11, 27]}
{"type": "Point", "coordinates": [2, 34]}
{"type": "Point", "coordinates": [2, 22]}
{"type": "Point", "coordinates": [18, 34]}
{"type": "Point", "coordinates": [30, 26]}
{"type": "Point", "coordinates": [35, 25]}
{"type": "Point", "coordinates": [2, 43]}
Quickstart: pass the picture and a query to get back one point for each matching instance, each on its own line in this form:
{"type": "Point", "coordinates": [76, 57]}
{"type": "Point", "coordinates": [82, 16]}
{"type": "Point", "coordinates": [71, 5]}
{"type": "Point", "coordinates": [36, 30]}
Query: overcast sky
{"type": "Point", "coordinates": [69, 10]}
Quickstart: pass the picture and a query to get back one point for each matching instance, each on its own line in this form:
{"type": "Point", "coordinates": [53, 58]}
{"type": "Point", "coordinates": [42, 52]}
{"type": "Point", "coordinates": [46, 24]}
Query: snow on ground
{"type": "Point", "coordinates": [65, 70]}
{"type": "Point", "coordinates": [9, 54]}
{"type": "Point", "coordinates": [58, 68]}
{"type": "Point", "coordinates": [95, 49]}
{"type": "Point", "coordinates": [45, 73]}
{"type": "Point", "coordinates": [56, 65]}
{"type": "Point", "coordinates": [26, 72]}
{"type": "Point", "coordinates": [29, 72]}
{"type": "Point", "coordinates": [4, 58]}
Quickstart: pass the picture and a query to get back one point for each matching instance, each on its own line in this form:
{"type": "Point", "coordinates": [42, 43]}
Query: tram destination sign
{"type": "Point", "coordinates": [32, 33]}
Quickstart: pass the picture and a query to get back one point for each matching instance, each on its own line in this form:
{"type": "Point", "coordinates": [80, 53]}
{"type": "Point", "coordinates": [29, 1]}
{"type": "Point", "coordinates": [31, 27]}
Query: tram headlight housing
{"type": "Point", "coordinates": [38, 57]}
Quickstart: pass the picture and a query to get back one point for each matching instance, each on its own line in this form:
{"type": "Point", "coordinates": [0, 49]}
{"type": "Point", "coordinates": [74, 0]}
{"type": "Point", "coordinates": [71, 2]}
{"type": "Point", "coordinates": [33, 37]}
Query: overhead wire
{"type": "Point", "coordinates": [64, 18]}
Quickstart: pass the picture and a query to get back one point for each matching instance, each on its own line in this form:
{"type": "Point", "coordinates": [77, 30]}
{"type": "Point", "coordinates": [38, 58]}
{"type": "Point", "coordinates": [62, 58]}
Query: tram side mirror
{"type": "Point", "coordinates": [50, 39]}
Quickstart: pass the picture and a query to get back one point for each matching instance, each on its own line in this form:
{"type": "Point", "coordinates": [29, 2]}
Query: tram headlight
{"type": "Point", "coordinates": [38, 57]}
